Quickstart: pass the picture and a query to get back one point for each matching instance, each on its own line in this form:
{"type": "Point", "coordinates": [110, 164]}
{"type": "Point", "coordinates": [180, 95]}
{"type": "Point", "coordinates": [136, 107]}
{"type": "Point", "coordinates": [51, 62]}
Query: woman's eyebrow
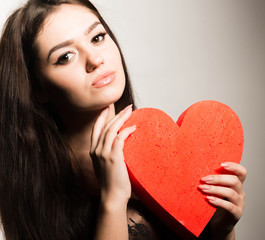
{"type": "Point", "coordinates": [71, 41]}
{"type": "Point", "coordinates": [92, 27]}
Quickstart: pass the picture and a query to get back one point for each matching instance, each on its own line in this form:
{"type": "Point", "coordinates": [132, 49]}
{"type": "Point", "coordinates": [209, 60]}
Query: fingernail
{"type": "Point", "coordinates": [128, 108]}
{"type": "Point", "coordinates": [204, 187]}
{"type": "Point", "coordinates": [134, 127]}
{"type": "Point", "coordinates": [225, 165]}
{"type": "Point", "coordinates": [211, 198]}
{"type": "Point", "coordinates": [207, 179]}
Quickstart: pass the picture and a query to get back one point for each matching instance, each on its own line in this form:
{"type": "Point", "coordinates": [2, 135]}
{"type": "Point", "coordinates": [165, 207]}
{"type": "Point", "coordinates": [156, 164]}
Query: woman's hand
{"type": "Point", "coordinates": [107, 155]}
{"type": "Point", "coordinates": [106, 152]}
{"type": "Point", "coordinates": [225, 191]}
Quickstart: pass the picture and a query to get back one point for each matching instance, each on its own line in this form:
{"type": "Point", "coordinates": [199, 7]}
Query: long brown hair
{"type": "Point", "coordinates": [40, 195]}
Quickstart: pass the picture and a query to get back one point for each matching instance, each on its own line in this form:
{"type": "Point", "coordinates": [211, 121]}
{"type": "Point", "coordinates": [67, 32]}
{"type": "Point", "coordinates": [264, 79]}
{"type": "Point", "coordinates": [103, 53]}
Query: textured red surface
{"type": "Point", "coordinates": [166, 160]}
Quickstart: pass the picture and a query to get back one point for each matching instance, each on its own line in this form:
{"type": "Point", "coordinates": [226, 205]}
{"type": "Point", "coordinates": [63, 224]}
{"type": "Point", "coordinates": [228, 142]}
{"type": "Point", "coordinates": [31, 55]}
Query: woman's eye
{"type": "Point", "coordinates": [65, 58]}
{"type": "Point", "coordinates": [99, 38]}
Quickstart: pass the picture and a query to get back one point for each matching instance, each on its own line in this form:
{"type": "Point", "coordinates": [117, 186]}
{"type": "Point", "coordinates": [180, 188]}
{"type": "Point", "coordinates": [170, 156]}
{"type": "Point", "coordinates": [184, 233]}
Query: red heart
{"type": "Point", "coordinates": [166, 160]}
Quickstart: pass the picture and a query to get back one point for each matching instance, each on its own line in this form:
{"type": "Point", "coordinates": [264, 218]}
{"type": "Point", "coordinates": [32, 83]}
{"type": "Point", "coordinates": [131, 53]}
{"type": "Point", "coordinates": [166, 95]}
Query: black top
{"type": "Point", "coordinates": [140, 232]}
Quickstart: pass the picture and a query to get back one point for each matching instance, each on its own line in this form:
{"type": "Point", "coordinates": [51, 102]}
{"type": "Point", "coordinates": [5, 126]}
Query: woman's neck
{"type": "Point", "coordinates": [79, 128]}
{"type": "Point", "coordinates": [79, 131]}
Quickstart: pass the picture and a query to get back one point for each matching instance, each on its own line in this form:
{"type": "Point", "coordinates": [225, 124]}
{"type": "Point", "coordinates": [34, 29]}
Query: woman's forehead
{"type": "Point", "coordinates": [66, 22]}
{"type": "Point", "coordinates": [68, 16]}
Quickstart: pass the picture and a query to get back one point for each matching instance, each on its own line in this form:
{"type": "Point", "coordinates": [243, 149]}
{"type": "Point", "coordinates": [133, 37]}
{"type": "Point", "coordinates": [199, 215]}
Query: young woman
{"type": "Point", "coordinates": [65, 93]}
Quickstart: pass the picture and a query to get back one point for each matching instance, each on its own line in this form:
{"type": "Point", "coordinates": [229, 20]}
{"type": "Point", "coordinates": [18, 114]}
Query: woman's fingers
{"type": "Point", "coordinates": [226, 190]}
{"type": "Point", "coordinates": [118, 144]}
{"type": "Point", "coordinates": [223, 192]}
{"type": "Point", "coordinates": [230, 181]}
{"type": "Point", "coordinates": [97, 129]}
{"type": "Point", "coordinates": [107, 156]}
{"type": "Point", "coordinates": [235, 210]}
{"type": "Point", "coordinates": [226, 198]}
{"type": "Point", "coordinates": [237, 169]}
{"type": "Point", "coordinates": [108, 124]}
{"type": "Point", "coordinates": [100, 128]}
{"type": "Point", "coordinates": [110, 131]}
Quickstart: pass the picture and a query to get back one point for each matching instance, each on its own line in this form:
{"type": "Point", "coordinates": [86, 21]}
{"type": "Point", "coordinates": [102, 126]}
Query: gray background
{"type": "Point", "coordinates": [181, 52]}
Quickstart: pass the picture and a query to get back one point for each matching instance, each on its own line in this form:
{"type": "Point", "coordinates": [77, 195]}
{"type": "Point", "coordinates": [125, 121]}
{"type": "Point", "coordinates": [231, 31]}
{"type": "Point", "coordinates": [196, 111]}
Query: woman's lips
{"type": "Point", "coordinates": [104, 79]}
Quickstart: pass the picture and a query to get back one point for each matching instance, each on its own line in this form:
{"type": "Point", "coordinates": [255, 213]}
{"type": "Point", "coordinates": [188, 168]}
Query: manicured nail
{"type": "Point", "coordinates": [225, 165]}
{"type": "Point", "coordinates": [211, 198]}
{"type": "Point", "coordinates": [128, 108]}
{"type": "Point", "coordinates": [204, 187]}
{"type": "Point", "coordinates": [132, 128]}
{"type": "Point", "coordinates": [207, 179]}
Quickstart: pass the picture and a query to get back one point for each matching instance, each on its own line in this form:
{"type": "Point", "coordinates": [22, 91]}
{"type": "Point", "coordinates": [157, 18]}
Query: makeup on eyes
{"type": "Point", "coordinates": [102, 34]}
{"type": "Point", "coordinates": [94, 41]}
{"type": "Point", "coordinates": [60, 59]}
{"type": "Point", "coordinates": [71, 41]}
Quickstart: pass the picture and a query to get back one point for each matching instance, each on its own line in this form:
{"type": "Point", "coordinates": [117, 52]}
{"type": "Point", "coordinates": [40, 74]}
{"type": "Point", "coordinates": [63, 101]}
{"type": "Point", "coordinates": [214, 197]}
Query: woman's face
{"type": "Point", "coordinates": [79, 64]}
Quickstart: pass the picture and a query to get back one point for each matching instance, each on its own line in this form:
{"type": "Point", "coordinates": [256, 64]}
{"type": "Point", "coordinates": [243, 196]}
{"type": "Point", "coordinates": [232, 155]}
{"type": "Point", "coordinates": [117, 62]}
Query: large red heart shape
{"type": "Point", "coordinates": [166, 160]}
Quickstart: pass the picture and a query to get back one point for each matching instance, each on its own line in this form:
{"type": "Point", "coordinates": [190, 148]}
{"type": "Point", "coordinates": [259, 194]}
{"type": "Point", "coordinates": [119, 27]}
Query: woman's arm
{"type": "Point", "coordinates": [225, 191]}
{"type": "Point", "coordinates": [115, 189]}
{"type": "Point", "coordinates": [112, 222]}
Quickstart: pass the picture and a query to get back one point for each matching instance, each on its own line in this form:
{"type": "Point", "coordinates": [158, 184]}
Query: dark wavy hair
{"type": "Point", "coordinates": [40, 192]}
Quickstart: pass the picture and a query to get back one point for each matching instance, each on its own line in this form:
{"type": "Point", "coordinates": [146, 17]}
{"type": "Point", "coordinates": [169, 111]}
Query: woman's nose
{"type": "Point", "coordinates": [93, 60]}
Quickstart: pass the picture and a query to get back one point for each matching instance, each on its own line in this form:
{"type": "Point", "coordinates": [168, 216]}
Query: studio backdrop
{"type": "Point", "coordinates": [181, 51]}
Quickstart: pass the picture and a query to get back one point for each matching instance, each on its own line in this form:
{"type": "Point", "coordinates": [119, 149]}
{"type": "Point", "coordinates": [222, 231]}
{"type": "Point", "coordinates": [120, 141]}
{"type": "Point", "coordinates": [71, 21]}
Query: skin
{"type": "Point", "coordinates": [80, 105]}
{"type": "Point", "coordinates": [87, 55]}
{"type": "Point", "coordinates": [68, 74]}
{"type": "Point", "coordinates": [225, 192]}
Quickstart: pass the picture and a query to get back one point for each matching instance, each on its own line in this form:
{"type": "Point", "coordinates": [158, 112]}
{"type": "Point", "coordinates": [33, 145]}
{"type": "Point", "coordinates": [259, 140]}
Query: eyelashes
{"type": "Point", "coordinates": [99, 38]}
{"type": "Point", "coordinates": [65, 58]}
{"type": "Point", "coordinates": [69, 55]}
